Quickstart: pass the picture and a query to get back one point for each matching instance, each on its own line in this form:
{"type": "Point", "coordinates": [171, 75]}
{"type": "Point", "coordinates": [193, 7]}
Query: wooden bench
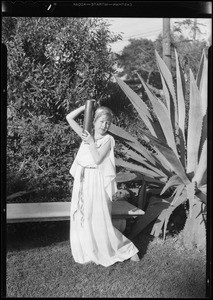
{"type": "Point", "coordinates": [59, 211]}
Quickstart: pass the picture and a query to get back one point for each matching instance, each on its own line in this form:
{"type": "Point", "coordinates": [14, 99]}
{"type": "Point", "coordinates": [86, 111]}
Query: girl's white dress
{"type": "Point", "coordinates": [92, 234]}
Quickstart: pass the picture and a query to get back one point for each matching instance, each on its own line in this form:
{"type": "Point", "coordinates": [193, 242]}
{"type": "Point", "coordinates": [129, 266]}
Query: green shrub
{"type": "Point", "coordinates": [39, 155]}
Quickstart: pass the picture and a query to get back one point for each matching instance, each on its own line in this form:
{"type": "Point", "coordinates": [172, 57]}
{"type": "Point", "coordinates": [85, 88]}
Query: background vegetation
{"type": "Point", "coordinates": [54, 65]}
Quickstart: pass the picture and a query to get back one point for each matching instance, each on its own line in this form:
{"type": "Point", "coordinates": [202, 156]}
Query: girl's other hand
{"type": "Point", "coordinates": [86, 137]}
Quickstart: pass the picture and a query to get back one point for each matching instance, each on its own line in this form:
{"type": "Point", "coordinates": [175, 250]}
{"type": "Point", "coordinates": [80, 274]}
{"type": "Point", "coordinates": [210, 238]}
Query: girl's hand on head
{"type": "Point", "coordinates": [86, 137]}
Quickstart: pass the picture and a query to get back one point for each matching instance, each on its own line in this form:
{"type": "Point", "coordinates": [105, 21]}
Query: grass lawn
{"type": "Point", "coordinates": [39, 264]}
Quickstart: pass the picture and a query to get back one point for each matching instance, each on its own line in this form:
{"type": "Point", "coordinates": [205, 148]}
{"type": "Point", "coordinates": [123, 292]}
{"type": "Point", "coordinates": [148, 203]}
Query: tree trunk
{"type": "Point", "coordinates": [194, 29]}
{"type": "Point", "coordinates": [166, 42]}
{"type": "Point", "coordinates": [194, 232]}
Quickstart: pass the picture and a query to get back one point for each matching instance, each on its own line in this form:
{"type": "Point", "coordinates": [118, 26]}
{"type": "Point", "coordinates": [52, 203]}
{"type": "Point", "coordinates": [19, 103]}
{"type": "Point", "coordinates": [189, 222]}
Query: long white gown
{"type": "Point", "coordinates": [93, 238]}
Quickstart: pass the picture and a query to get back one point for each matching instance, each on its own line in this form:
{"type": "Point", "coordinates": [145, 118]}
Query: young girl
{"type": "Point", "coordinates": [93, 238]}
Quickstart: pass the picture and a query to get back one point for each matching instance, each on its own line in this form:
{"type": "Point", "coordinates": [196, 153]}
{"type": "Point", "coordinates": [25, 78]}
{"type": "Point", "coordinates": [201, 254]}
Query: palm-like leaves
{"type": "Point", "coordinates": [179, 159]}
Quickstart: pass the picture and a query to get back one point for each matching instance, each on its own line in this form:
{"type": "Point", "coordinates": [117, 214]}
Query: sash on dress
{"type": "Point", "coordinates": [80, 204]}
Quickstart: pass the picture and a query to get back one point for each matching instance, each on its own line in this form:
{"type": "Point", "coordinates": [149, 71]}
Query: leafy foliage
{"type": "Point", "coordinates": [138, 56]}
{"type": "Point", "coordinates": [39, 154]}
{"type": "Point", "coordinates": [54, 64]}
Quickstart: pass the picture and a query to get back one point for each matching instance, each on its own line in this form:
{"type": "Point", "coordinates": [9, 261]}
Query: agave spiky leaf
{"type": "Point", "coordinates": [202, 81]}
{"type": "Point", "coordinates": [156, 229]}
{"type": "Point", "coordinates": [194, 127]}
{"type": "Point", "coordinates": [166, 74]}
{"type": "Point", "coordinates": [200, 174]}
{"type": "Point", "coordinates": [139, 105]}
{"type": "Point", "coordinates": [132, 142]}
{"type": "Point", "coordinates": [138, 168]}
{"type": "Point", "coordinates": [170, 157]}
{"type": "Point", "coordinates": [173, 181]}
{"type": "Point", "coordinates": [128, 176]}
{"type": "Point", "coordinates": [163, 117]}
{"type": "Point", "coordinates": [138, 158]}
{"type": "Point", "coordinates": [201, 195]}
{"type": "Point", "coordinates": [180, 96]}
{"type": "Point", "coordinates": [178, 191]}
{"type": "Point", "coordinates": [166, 93]}
{"type": "Point", "coordinates": [166, 213]}
{"type": "Point", "coordinates": [191, 195]}
{"type": "Point", "coordinates": [203, 135]}
{"type": "Point", "coordinates": [122, 133]}
{"type": "Point", "coordinates": [181, 110]}
{"type": "Point", "coordinates": [143, 151]}
{"type": "Point", "coordinates": [157, 160]}
{"type": "Point", "coordinates": [162, 162]}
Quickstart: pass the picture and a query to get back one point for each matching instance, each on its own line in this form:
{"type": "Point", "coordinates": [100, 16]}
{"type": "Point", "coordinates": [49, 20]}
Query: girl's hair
{"type": "Point", "coordinates": [103, 110]}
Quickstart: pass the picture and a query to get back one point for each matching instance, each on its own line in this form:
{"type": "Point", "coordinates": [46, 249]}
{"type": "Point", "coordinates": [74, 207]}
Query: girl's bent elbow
{"type": "Point", "coordinates": [98, 161]}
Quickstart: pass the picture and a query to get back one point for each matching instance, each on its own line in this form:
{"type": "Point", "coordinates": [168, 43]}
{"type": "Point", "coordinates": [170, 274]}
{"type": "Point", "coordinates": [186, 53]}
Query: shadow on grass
{"type": "Point", "coordinates": [36, 234]}
{"type": "Point", "coordinates": [142, 240]}
{"type": "Point", "coordinates": [40, 234]}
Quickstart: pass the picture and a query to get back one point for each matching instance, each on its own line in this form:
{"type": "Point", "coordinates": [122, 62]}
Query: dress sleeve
{"type": "Point", "coordinates": [107, 168]}
{"type": "Point", "coordinates": [74, 165]}
{"type": "Point", "coordinates": [73, 168]}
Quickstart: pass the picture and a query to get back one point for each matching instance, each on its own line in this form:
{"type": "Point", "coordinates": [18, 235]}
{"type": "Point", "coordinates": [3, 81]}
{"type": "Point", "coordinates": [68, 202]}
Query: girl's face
{"type": "Point", "coordinates": [102, 125]}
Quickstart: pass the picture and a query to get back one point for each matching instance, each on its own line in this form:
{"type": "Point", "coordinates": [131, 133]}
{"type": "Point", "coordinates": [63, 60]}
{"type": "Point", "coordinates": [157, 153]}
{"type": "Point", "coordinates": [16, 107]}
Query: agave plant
{"type": "Point", "coordinates": [178, 160]}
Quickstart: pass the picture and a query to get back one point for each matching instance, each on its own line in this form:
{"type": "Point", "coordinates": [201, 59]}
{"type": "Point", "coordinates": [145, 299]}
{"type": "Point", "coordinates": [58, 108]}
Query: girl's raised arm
{"type": "Point", "coordinates": [71, 119]}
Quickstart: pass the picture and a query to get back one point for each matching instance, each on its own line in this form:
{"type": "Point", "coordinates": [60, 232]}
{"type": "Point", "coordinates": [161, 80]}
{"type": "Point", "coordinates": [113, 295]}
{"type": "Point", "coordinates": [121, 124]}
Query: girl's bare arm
{"type": "Point", "coordinates": [98, 155]}
{"type": "Point", "coordinates": [71, 120]}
